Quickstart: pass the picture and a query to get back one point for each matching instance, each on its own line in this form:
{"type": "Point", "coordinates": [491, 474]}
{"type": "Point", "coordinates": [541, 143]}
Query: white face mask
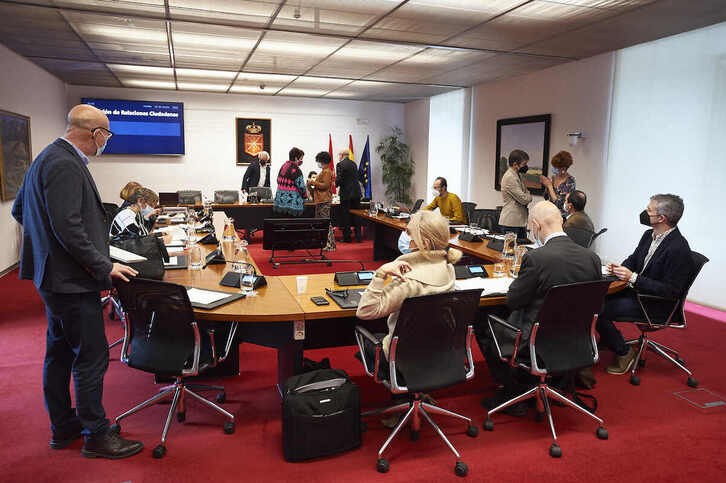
{"type": "Point", "coordinates": [146, 211]}
{"type": "Point", "coordinates": [99, 149]}
{"type": "Point", "coordinates": [535, 235]}
{"type": "Point", "coordinates": [435, 192]}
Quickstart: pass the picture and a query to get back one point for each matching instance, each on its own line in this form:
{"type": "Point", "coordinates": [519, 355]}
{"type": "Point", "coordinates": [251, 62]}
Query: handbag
{"type": "Point", "coordinates": [320, 415]}
{"type": "Point", "coordinates": [150, 247]}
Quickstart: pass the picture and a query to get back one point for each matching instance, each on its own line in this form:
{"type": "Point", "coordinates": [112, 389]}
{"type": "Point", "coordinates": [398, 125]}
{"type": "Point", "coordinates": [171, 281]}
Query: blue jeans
{"type": "Point", "coordinates": [75, 344]}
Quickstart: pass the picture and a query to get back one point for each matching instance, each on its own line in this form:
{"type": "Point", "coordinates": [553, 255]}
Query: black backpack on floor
{"type": "Point", "coordinates": [320, 415]}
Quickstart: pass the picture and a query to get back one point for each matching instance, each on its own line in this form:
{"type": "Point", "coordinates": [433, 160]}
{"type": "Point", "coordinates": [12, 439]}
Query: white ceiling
{"type": "Point", "coordinates": [390, 50]}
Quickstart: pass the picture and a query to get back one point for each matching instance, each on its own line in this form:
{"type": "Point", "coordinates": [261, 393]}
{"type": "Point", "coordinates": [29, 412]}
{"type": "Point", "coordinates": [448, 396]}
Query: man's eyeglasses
{"type": "Point", "coordinates": [103, 130]}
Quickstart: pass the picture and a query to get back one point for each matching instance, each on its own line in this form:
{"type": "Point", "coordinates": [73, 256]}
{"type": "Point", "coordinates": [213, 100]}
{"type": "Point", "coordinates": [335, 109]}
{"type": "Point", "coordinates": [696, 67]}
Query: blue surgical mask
{"type": "Point", "coordinates": [146, 211]}
{"type": "Point", "coordinates": [555, 171]}
{"type": "Point", "coordinates": [404, 243]}
{"type": "Point", "coordinates": [537, 241]}
{"type": "Point", "coordinates": [99, 149]}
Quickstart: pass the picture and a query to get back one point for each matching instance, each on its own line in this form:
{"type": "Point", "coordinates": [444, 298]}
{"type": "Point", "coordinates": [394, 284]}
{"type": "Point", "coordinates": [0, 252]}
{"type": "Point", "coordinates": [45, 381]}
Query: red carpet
{"type": "Point", "coordinates": [654, 435]}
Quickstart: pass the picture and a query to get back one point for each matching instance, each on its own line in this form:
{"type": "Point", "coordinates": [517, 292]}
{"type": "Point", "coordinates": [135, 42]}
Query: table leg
{"type": "Point", "coordinates": [289, 362]}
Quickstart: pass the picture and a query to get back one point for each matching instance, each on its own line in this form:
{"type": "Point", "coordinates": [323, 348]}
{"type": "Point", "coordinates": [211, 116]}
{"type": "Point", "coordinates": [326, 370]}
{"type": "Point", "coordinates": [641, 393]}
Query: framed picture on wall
{"type": "Point", "coordinates": [15, 155]}
{"type": "Point", "coordinates": [253, 136]}
{"type": "Point", "coordinates": [531, 134]}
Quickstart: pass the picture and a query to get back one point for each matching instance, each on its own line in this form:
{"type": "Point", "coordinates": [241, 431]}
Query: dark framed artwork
{"type": "Point", "coordinates": [253, 136]}
{"type": "Point", "coordinates": [531, 134]}
{"type": "Point", "coordinates": [15, 155]}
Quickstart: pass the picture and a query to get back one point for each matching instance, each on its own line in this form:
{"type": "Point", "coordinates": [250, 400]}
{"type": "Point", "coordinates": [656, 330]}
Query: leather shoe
{"type": "Point", "coordinates": [110, 445]}
{"type": "Point", "coordinates": [63, 440]}
{"type": "Point", "coordinates": [622, 364]}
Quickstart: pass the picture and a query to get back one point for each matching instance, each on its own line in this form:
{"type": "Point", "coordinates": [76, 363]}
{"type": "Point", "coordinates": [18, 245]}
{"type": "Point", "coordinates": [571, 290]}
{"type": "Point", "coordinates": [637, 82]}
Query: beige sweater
{"type": "Point", "coordinates": [427, 277]}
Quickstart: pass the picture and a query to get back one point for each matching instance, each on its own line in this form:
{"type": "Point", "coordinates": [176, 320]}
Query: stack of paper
{"type": "Point", "coordinates": [489, 286]}
{"type": "Point", "coordinates": [200, 296]}
{"type": "Point", "coordinates": [124, 256]}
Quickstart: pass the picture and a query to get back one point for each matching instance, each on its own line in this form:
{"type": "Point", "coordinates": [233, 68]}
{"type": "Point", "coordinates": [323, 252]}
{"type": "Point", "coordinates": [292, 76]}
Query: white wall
{"type": "Point", "coordinates": [209, 131]}
{"type": "Point", "coordinates": [667, 136]}
{"type": "Point", "coordinates": [417, 137]}
{"type": "Point", "coordinates": [577, 94]}
{"type": "Point", "coordinates": [28, 90]}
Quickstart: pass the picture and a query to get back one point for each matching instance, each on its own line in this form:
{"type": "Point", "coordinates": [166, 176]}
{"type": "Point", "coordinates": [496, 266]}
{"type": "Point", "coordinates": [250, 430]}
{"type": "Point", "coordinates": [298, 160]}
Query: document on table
{"type": "Point", "coordinates": [200, 296]}
{"type": "Point", "coordinates": [172, 261]}
{"type": "Point", "coordinates": [124, 256]}
{"type": "Point", "coordinates": [489, 286]}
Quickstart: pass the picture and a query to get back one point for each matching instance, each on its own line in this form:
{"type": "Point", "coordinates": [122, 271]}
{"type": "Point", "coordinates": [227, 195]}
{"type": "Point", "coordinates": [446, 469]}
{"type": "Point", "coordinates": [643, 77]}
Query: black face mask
{"type": "Point", "coordinates": [523, 169]}
{"type": "Point", "coordinates": [645, 218]}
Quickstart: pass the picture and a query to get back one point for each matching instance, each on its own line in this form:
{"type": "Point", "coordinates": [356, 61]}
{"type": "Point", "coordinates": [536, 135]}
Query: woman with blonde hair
{"type": "Point", "coordinates": [427, 270]}
{"type": "Point", "coordinates": [126, 193]}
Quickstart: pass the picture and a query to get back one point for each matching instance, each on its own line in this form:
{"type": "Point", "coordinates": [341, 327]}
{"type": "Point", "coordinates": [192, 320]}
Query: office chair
{"type": "Point", "coordinates": [226, 196]}
{"type": "Point", "coordinates": [595, 235]}
{"type": "Point", "coordinates": [430, 349]}
{"type": "Point", "coordinates": [662, 313]}
{"type": "Point", "coordinates": [486, 219]}
{"type": "Point", "coordinates": [581, 236]}
{"type": "Point", "coordinates": [468, 207]}
{"type": "Point", "coordinates": [162, 338]}
{"type": "Point", "coordinates": [417, 205]}
{"type": "Point", "coordinates": [110, 298]}
{"type": "Point", "coordinates": [562, 341]}
{"type": "Point", "coordinates": [189, 197]}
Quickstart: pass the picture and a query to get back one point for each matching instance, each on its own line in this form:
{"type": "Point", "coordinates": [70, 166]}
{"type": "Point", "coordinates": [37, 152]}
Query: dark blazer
{"type": "Point", "coordinates": [347, 179]}
{"type": "Point", "coordinates": [65, 226]}
{"type": "Point", "coordinates": [670, 269]}
{"type": "Point", "coordinates": [252, 175]}
{"type": "Point", "coordinates": [579, 219]}
{"type": "Point", "coordinates": [560, 261]}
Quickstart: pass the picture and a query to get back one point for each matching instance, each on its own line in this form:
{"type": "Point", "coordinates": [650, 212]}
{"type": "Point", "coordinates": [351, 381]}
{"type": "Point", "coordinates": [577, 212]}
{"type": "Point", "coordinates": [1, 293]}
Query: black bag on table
{"type": "Point", "coordinates": [320, 415]}
{"type": "Point", "coordinates": [150, 247]}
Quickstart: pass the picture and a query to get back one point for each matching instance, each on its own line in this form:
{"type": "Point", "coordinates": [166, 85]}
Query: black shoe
{"type": "Point", "coordinates": [110, 445]}
{"type": "Point", "coordinates": [61, 440]}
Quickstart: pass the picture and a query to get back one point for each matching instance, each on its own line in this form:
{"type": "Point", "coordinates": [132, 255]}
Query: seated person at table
{"type": "Point", "coordinates": [126, 193]}
{"type": "Point", "coordinates": [557, 261]}
{"type": "Point", "coordinates": [449, 204]}
{"type": "Point", "coordinates": [660, 265]}
{"type": "Point", "coordinates": [129, 222]}
{"type": "Point", "coordinates": [575, 209]}
{"type": "Point", "coordinates": [427, 270]}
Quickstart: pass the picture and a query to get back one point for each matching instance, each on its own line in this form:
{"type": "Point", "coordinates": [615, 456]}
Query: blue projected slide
{"type": "Point", "coordinates": [143, 127]}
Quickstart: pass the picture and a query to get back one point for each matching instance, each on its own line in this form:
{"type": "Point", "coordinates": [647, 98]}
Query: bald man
{"type": "Point", "coordinates": [558, 260]}
{"type": "Point", "coordinates": [65, 253]}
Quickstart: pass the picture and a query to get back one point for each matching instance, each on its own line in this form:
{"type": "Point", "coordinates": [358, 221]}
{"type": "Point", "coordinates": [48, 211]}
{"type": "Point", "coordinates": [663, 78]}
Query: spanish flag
{"type": "Point", "coordinates": [333, 189]}
{"type": "Point", "coordinates": [350, 147]}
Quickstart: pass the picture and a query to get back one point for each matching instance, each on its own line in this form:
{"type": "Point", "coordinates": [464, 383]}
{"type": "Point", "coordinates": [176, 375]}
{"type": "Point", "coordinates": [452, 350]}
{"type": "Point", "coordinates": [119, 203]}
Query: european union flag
{"type": "Point", "coordinates": [364, 169]}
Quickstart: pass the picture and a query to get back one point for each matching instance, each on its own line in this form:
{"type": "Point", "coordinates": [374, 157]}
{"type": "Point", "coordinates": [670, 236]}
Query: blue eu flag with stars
{"type": "Point", "coordinates": [364, 169]}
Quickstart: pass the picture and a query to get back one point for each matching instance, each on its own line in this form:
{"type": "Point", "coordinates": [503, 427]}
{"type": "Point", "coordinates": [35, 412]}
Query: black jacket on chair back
{"type": "Point", "coordinates": [347, 179]}
{"type": "Point", "coordinates": [560, 261]}
{"type": "Point", "coordinates": [65, 234]}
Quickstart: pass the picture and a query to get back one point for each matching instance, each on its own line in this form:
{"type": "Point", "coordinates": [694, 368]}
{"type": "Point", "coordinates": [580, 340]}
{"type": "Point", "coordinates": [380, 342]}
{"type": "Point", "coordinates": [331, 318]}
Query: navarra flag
{"type": "Point", "coordinates": [333, 189]}
{"type": "Point", "coordinates": [364, 169]}
{"type": "Point", "coordinates": [350, 147]}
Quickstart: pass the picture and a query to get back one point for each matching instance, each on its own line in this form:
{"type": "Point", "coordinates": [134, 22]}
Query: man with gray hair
{"type": "Point", "coordinates": [257, 173]}
{"type": "Point", "coordinates": [660, 265]}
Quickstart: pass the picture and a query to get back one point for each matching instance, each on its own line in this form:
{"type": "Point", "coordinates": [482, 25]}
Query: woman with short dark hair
{"type": "Point", "coordinates": [321, 188]}
{"type": "Point", "coordinates": [291, 189]}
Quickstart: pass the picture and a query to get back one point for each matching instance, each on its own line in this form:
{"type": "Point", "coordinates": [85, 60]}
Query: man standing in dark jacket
{"type": "Point", "coordinates": [557, 261]}
{"type": "Point", "coordinates": [660, 265]}
{"type": "Point", "coordinates": [257, 173]}
{"type": "Point", "coordinates": [347, 179]}
{"type": "Point", "coordinates": [65, 252]}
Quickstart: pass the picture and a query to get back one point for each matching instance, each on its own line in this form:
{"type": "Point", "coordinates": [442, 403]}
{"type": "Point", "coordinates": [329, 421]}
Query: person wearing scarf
{"type": "Point", "coordinates": [291, 190]}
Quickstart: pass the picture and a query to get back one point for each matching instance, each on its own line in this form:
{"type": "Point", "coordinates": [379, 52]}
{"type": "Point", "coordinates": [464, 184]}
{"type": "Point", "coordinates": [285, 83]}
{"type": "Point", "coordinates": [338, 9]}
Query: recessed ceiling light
{"type": "Point", "coordinates": [140, 69]}
{"type": "Point", "coordinates": [189, 40]}
{"type": "Point", "coordinates": [150, 84]}
{"type": "Point", "coordinates": [208, 74]}
{"type": "Point", "coordinates": [251, 77]}
{"type": "Point", "coordinates": [119, 34]}
{"type": "Point", "coordinates": [202, 86]}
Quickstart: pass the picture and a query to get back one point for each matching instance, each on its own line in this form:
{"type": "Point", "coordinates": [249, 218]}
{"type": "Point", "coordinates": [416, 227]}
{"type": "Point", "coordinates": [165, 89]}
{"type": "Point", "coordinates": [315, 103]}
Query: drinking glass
{"type": "Point", "coordinates": [302, 284]}
{"type": "Point", "coordinates": [246, 277]}
{"type": "Point", "coordinates": [499, 268]}
{"type": "Point", "coordinates": [190, 238]}
{"type": "Point", "coordinates": [517, 261]}
{"type": "Point", "coordinates": [229, 233]}
{"type": "Point", "coordinates": [372, 209]}
{"type": "Point", "coordinates": [240, 257]}
{"type": "Point", "coordinates": [510, 243]}
{"type": "Point", "coordinates": [195, 258]}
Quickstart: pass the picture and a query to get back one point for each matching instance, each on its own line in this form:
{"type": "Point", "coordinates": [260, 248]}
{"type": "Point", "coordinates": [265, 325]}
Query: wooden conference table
{"type": "Point", "coordinates": [280, 318]}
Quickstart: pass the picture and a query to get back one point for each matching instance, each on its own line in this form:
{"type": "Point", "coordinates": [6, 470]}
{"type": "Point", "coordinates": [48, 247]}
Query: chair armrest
{"type": "Point", "coordinates": [363, 333]}
{"type": "Point", "coordinates": [469, 356]}
{"type": "Point", "coordinates": [517, 336]}
{"type": "Point", "coordinates": [197, 350]}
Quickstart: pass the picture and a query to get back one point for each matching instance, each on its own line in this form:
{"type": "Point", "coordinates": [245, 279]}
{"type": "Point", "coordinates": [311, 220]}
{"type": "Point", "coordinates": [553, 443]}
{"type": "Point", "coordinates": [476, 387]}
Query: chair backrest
{"type": "Point", "coordinates": [189, 197]}
{"type": "Point", "coordinates": [159, 316]}
{"type": "Point", "coordinates": [417, 205]}
{"type": "Point", "coordinates": [432, 331]}
{"type": "Point", "coordinates": [698, 262]}
{"type": "Point", "coordinates": [592, 240]}
{"type": "Point", "coordinates": [581, 236]}
{"type": "Point", "coordinates": [468, 208]}
{"type": "Point", "coordinates": [263, 193]}
{"type": "Point", "coordinates": [486, 218]}
{"type": "Point", "coordinates": [226, 196]}
{"type": "Point", "coordinates": [563, 339]}
{"type": "Point", "coordinates": [111, 212]}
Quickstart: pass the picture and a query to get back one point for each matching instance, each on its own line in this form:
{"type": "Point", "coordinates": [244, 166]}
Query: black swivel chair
{"type": "Point", "coordinates": [468, 208]}
{"type": "Point", "coordinates": [417, 205]}
{"type": "Point", "coordinates": [162, 338]}
{"type": "Point", "coordinates": [562, 341]}
{"type": "Point", "coordinates": [430, 349]}
{"type": "Point", "coordinates": [662, 313]}
{"type": "Point", "coordinates": [111, 299]}
{"type": "Point", "coordinates": [595, 235]}
{"type": "Point", "coordinates": [581, 236]}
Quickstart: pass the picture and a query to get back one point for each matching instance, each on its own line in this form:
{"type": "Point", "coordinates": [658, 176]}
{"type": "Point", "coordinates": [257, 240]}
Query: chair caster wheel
{"type": "Point", "coordinates": [159, 451]}
{"type": "Point", "coordinates": [489, 425]}
{"type": "Point", "coordinates": [641, 363]}
{"type": "Point", "coordinates": [681, 361]}
{"type": "Point", "coordinates": [635, 380]}
{"type": "Point", "coordinates": [221, 397]}
{"type": "Point", "coordinates": [382, 466]}
{"type": "Point", "coordinates": [555, 450]}
{"type": "Point", "coordinates": [472, 431]}
{"type": "Point", "coordinates": [363, 426]}
{"type": "Point", "coordinates": [115, 428]}
{"type": "Point", "coordinates": [692, 382]}
{"type": "Point", "coordinates": [602, 433]}
{"type": "Point", "coordinates": [229, 427]}
{"type": "Point", "coordinates": [461, 469]}
{"type": "Point", "coordinates": [414, 435]}
{"type": "Point", "coordinates": [181, 416]}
